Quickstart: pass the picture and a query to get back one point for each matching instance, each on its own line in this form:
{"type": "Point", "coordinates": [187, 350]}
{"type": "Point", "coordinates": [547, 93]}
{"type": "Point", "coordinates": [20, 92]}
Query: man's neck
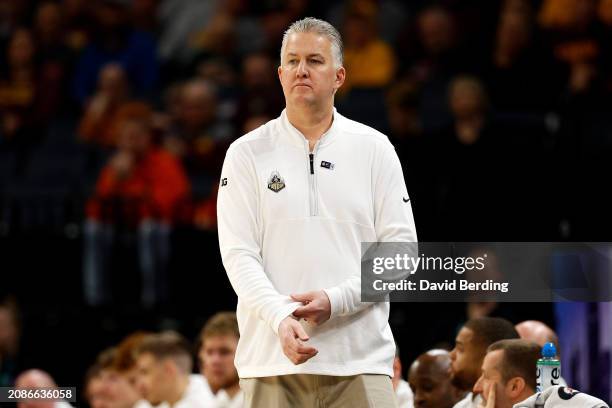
{"type": "Point", "coordinates": [178, 390]}
{"type": "Point", "coordinates": [311, 122]}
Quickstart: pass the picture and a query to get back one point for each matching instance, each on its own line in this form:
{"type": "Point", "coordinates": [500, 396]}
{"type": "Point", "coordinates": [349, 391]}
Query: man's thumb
{"type": "Point", "coordinates": [301, 333]}
{"type": "Point", "coordinates": [301, 297]}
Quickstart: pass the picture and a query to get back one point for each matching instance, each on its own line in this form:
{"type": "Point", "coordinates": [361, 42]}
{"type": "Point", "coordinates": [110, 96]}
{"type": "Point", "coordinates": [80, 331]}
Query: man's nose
{"type": "Point", "coordinates": [302, 70]}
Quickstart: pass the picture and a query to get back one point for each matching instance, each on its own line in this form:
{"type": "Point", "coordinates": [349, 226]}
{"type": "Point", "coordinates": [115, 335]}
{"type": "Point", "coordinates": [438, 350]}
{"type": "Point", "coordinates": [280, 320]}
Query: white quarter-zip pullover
{"type": "Point", "coordinates": [292, 221]}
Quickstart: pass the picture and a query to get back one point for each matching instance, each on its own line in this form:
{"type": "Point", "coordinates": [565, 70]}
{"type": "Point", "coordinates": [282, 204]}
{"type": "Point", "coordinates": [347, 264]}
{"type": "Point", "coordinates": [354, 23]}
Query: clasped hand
{"type": "Point", "coordinates": [315, 309]}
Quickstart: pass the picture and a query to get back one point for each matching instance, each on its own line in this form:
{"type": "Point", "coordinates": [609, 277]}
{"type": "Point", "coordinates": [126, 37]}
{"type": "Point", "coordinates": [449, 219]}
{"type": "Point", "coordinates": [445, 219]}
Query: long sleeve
{"type": "Point", "coordinates": [393, 222]}
{"type": "Point", "coordinates": [240, 240]}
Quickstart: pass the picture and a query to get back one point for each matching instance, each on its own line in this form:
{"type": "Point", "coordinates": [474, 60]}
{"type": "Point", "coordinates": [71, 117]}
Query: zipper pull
{"type": "Point", "coordinates": [311, 163]}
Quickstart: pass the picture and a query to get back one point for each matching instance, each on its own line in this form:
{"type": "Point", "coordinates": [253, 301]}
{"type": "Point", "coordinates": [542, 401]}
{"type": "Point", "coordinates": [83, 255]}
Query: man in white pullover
{"type": "Point", "coordinates": [297, 198]}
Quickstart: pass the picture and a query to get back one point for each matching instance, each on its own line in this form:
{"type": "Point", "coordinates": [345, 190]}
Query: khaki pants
{"type": "Point", "coordinates": [319, 391]}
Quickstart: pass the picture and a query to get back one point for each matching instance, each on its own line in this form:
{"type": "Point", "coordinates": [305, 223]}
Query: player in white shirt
{"type": "Point", "coordinates": [164, 366]}
{"type": "Point", "coordinates": [297, 198]}
{"type": "Point", "coordinates": [218, 341]}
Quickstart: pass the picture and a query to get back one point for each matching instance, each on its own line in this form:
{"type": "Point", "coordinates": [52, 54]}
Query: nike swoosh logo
{"type": "Point", "coordinates": [406, 199]}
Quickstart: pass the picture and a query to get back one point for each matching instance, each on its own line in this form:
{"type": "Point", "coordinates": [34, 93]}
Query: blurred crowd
{"type": "Point", "coordinates": [116, 114]}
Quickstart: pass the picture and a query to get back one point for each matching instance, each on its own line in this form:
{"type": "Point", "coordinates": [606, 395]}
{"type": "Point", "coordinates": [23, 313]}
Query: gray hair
{"type": "Point", "coordinates": [321, 27]}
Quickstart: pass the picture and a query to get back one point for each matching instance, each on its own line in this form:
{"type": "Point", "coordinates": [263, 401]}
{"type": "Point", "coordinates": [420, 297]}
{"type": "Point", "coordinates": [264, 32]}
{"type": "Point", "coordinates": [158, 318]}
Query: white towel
{"type": "Point", "coordinates": [563, 397]}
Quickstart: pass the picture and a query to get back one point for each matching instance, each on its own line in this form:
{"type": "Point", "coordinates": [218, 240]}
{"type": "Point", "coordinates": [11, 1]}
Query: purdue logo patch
{"type": "Point", "coordinates": [276, 182]}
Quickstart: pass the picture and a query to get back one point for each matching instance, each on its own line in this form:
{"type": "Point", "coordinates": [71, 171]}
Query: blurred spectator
{"type": "Point", "coordinates": [141, 187]}
{"type": "Point", "coordinates": [429, 379]}
{"type": "Point", "coordinates": [402, 106]}
{"type": "Point", "coordinates": [390, 18]}
{"type": "Point", "coordinates": [164, 365]}
{"type": "Point", "coordinates": [77, 22]}
{"type": "Point", "coordinates": [197, 136]}
{"type": "Point", "coordinates": [576, 37]}
{"type": "Point", "coordinates": [114, 40]}
{"type": "Point", "coordinates": [231, 31]}
{"type": "Point", "coordinates": [261, 91]}
{"type": "Point", "coordinates": [10, 334]}
{"type": "Point", "coordinates": [277, 16]}
{"type": "Point", "coordinates": [12, 14]}
{"type": "Point", "coordinates": [403, 393]}
{"type": "Point", "coordinates": [362, 45]}
{"type": "Point", "coordinates": [35, 379]}
{"type": "Point", "coordinates": [218, 342]}
{"type": "Point", "coordinates": [28, 94]}
{"type": "Point", "coordinates": [440, 61]}
{"type": "Point", "coordinates": [98, 122]}
{"type": "Point", "coordinates": [520, 77]}
{"type": "Point", "coordinates": [466, 156]}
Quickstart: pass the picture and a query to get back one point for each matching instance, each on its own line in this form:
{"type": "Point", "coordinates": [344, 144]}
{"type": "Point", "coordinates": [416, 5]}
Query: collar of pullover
{"type": "Point", "coordinates": [297, 138]}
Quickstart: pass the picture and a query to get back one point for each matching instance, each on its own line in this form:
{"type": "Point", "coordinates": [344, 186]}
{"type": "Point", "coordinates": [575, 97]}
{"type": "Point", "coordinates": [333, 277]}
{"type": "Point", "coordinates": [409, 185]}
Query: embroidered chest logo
{"type": "Point", "coordinates": [276, 182]}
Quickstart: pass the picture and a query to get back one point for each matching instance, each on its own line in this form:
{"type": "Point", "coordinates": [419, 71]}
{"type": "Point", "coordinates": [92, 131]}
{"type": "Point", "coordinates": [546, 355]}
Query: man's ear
{"type": "Point", "coordinates": [340, 78]}
{"type": "Point", "coordinates": [280, 72]}
{"type": "Point", "coordinates": [515, 386]}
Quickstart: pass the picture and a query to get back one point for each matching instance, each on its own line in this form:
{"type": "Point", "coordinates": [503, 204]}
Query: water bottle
{"type": "Point", "coordinates": [548, 368]}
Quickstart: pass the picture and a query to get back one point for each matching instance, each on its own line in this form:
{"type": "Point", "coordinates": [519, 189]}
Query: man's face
{"type": "Point", "coordinates": [120, 392]}
{"type": "Point", "coordinates": [491, 378]}
{"type": "Point", "coordinates": [152, 378]}
{"type": "Point", "coordinates": [97, 395]}
{"type": "Point", "coordinates": [466, 359]}
{"type": "Point", "coordinates": [307, 73]}
{"type": "Point", "coordinates": [431, 386]}
{"type": "Point", "coordinates": [217, 361]}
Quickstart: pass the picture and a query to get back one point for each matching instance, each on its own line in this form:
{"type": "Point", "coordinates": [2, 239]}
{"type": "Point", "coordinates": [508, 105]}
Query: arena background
{"type": "Point", "coordinates": [499, 111]}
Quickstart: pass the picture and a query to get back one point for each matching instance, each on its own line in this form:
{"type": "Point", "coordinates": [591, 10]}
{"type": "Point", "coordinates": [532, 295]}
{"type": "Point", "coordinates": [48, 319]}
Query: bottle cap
{"type": "Point", "coordinates": [549, 350]}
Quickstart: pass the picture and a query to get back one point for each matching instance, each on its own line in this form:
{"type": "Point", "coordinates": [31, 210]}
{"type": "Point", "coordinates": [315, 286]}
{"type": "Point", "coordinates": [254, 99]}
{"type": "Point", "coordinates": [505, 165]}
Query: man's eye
{"type": "Point", "coordinates": [314, 61]}
{"type": "Point", "coordinates": [292, 61]}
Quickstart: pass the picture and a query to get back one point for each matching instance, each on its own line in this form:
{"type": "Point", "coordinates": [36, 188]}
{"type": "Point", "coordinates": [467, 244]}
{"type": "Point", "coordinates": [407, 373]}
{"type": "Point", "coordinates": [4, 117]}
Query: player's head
{"type": "Point", "coordinates": [106, 386]}
{"type": "Point", "coordinates": [537, 332]}
{"type": "Point", "coordinates": [218, 342]}
{"type": "Point", "coordinates": [311, 68]}
{"type": "Point", "coordinates": [471, 346]}
{"type": "Point", "coordinates": [126, 355]}
{"type": "Point", "coordinates": [164, 362]}
{"type": "Point", "coordinates": [35, 379]}
{"type": "Point", "coordinates": [509, 366]}
{"type": "Point", "coordinates": [429, 379]}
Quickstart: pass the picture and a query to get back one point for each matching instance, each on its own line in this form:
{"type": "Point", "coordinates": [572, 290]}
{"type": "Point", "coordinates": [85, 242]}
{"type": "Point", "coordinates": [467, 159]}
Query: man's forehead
{"type": "Point", "coordinates": [465, 335]}
{"type": "Point", "coordinates": [307, 43]}
{"type": "Point", "coordinates": [492, 360]}
{"type": "Point", "coordinates": [219, 340]}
